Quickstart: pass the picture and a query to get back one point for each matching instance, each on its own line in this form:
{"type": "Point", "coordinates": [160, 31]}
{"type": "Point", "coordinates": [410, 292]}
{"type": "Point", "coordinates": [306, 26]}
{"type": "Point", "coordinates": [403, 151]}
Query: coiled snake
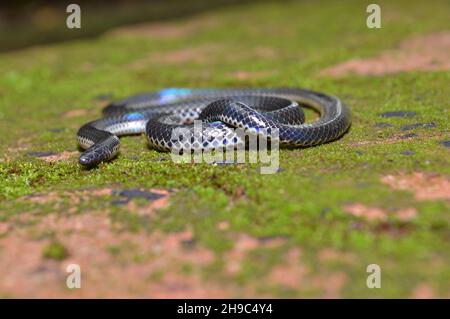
{"type": "Point", "coordinates": [257, 111]}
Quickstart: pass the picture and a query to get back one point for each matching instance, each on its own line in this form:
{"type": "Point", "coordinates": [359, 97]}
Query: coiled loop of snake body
{"type": "Point", "coordinates": [258, 111]}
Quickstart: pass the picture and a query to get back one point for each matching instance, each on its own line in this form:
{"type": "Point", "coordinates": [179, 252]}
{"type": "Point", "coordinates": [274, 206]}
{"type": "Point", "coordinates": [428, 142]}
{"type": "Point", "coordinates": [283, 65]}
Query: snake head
{"type": "Point", "coordinates": [103, 150]}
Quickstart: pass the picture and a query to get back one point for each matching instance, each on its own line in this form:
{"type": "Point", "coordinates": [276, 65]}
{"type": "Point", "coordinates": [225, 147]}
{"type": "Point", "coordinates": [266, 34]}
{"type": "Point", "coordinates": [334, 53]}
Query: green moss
{"type": "Point", "coordinates": [55, 251]}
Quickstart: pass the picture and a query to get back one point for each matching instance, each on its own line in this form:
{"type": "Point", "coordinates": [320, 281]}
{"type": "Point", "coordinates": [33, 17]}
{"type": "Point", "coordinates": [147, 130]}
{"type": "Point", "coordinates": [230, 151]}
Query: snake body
{"type": "Point", "coordinates": [256, 111]}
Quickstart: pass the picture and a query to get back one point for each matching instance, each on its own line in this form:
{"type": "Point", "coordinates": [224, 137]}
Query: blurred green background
{"type": "Point", "coordinates": [26, 22]}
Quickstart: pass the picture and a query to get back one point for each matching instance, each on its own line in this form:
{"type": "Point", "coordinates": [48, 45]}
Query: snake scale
{"type": "Point", "coordinates": [257, 111]}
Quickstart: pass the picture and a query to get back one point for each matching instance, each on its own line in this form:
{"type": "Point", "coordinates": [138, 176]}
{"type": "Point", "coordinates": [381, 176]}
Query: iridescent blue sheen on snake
{"type": "Point", "coordinates": [254, 110]}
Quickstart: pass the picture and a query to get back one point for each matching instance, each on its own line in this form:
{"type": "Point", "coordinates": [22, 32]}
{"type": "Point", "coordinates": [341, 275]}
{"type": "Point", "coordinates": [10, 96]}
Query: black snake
{"type": "Point", "coordinates": [162, 114]}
